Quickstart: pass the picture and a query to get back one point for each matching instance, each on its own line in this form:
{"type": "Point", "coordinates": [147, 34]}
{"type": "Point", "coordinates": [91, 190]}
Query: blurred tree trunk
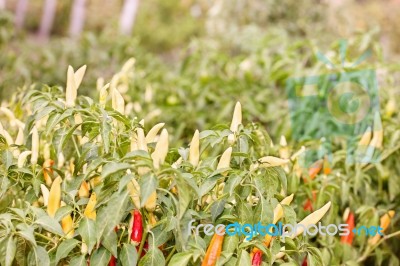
{"type": "Point", "coordinates": [49, 11]}
{"type": "Point", "coordinates": [20, 12]}
{"type": "Point", "coordinates": [128, 16]}
{"type": "Point", "coordinates": [77, 18]}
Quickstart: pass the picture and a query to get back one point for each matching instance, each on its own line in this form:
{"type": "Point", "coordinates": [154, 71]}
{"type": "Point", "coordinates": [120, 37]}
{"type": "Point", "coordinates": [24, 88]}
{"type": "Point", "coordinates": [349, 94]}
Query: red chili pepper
{"type": "Point", "coordinates": [308, 205]}
{"type": "Point", "coordinates": [348, 239]}
{"type": "Point", "coordinates": [113, 261]}
{"type": "Point", "coordinates": [137, 228]}
{"type": "Point", "coordinates": [304, 262]}
{"type": "Point", "coordinates": [257, 258]}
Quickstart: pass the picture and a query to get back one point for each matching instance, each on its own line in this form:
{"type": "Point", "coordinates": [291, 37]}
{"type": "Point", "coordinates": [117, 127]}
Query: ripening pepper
{"type": "Point", "coordinates": [384, 224]}
{"type": "Point", "coordinates": [214, 250]}
{"type": "Point", "coordinates": [90, 211]}
{"type": "Point", "coordinates": [348, 239]}
{"type": "Point", "coordinates": [257, 258]}
{"type": "Point", "coordinates": [308, 205]}
{"type": "Point", "coordinates": [48, 171]}
{"type": "Point", "coordinates": [83, 191]}
{"type": "Point", "coordinates": [54, 197]}
{"type": "Point", "coordinates": [314, 170]}
{"type": "Point", "coordinates": [137, 228]}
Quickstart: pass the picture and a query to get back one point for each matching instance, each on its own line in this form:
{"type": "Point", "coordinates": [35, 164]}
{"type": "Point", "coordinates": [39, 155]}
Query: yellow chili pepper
{"type": "Point", "coordinates": [90, 211]}
{"type": "Point", "coordinates": [54, 197]}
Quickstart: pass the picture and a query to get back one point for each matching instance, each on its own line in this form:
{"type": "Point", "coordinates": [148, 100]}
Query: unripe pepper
{"type": "Point", "coordinates": [348, 239]}
{"type": "Point", "coordinates": [194, 150]}
{"type": "Point", "coordinates": [214, 250]}
{"type": "Point", "coordinates": [137, 228]}
{"type": "Point", "coordinates": [236, 121]}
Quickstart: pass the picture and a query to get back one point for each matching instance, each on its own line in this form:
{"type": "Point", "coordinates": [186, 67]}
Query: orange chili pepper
{"type": "Point", "coordinates": [314, 170]}
{"type": "Point", "coordinates": [385, 222]}
{"type": "Point", "coordinates": [213, 251]}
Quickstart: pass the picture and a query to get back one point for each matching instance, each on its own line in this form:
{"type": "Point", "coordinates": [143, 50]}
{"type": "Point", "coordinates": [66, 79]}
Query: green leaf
{"type": "Point", "coordinates": [38, 256]}
{"type": "Point", "coordinates": [108, 217]}
{"type": "Point", "coordinates": [100, 257]}
{"type": "Point", "coordinates": [184, 198]}
{"type": "Point", "coordinates": [78, 261]}
{"type": "Point", "coordinates": [244, 259]}
{"type": "Point", "coordinates": [109, 241]}
{"type": "Point", "coordinates": [217, 208]}
{"type": "Point", "coordinates": [180, 259]}
{"type": "Point", "coordinates": [27, 233]}
{"type": "Point", "coordinates": [154, 257]}
{"type": "Point", "coordinates": [87, 230]}
{"type": "Point", "coordinates": [7, 158]}
{"type": "Point", "coordinates": [230, 243]}
{"type": "Point", "coordinates": [148, 185]}
{"type": "Point", "coordinates": [65, 248]}
{"type": "Point", "coordinates": [113, 167]}
{"type": "Point", "coordinates": [128, 255]}
{"type": "Point", "coordinates": [50, 224]}
{"type": "Point", "coordinates": [10, 249]}
{"type": "Point", "coordinates": [62, 212]}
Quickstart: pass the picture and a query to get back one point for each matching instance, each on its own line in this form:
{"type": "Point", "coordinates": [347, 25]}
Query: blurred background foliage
{"type": "Point", "coordinates": [202, 55]}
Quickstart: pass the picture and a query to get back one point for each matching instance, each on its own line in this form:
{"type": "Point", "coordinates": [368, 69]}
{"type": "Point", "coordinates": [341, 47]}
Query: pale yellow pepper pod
{"type": "Point", "coordinates": [22, 158]}
{"type": "Point", "coordinates": [118, 102]}
{"type": "Point", "coordinates": [73, 82]}
{"type": "Point", "coordinates": [150, 204]}
{"type": "Point", "coordinates": [54, 197]}
{"type": "Point", "coordinates": [45, 194]}
{"type": "Point", "coordinates": [90, 211]}
{"type": "Point", "coordinates": [161, 149]}
{"type": "Point", "coordinates": [312, 218]}
{"type": "Point", "coordinates": [271, 161]}
{"type": "Point", "coordinates": [278, 211]}
{"type": "Point", "coordinates": [134, 192]}
{"type": "Point", "coordinates": [225, 160]}
{"type": "Point", "coordinates": [366, 137]}
{"type": "Point", "coordinates": [194, 150]}
{"type": "Point", "coordinates": [151, 135]}
{"type": "Point", "coordinates": [284, 149]}
{"type": "Point", "coordinates": [236, 121]}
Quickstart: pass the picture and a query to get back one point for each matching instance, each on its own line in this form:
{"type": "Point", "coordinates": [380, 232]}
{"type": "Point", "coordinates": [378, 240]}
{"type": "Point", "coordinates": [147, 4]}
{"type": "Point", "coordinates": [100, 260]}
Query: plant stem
{"type": "Point", "coordinates": [170, 255]}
